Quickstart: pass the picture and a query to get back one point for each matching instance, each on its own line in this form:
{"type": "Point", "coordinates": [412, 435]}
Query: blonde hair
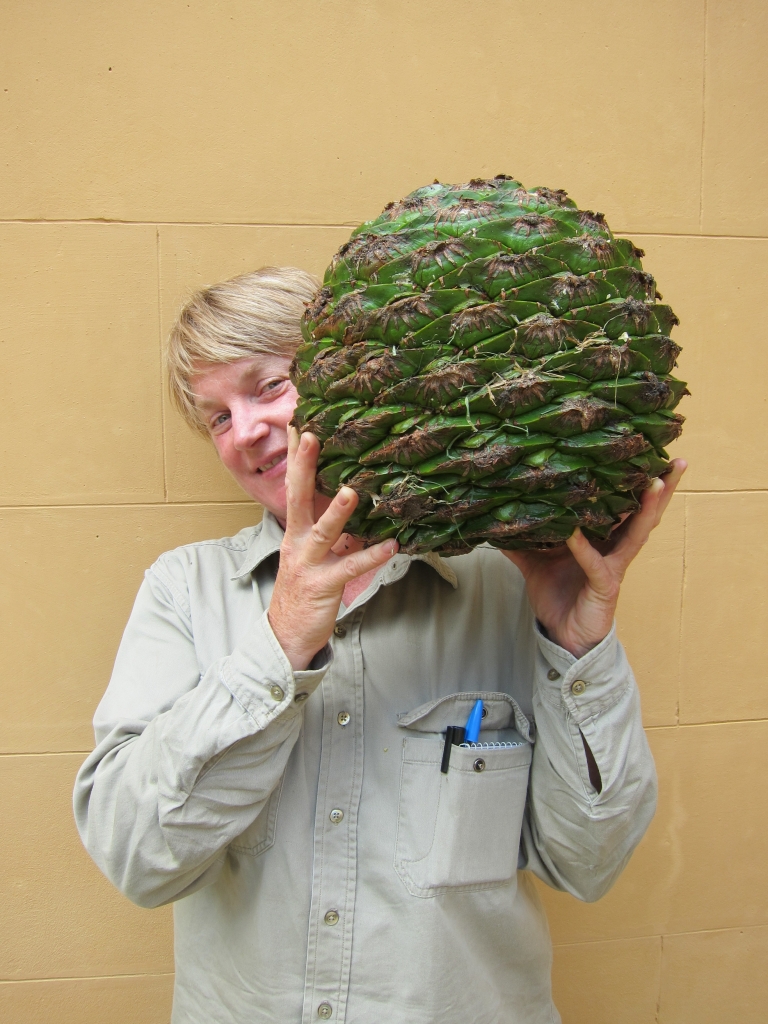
{"type": "Point", "coordinates": [254, 313]}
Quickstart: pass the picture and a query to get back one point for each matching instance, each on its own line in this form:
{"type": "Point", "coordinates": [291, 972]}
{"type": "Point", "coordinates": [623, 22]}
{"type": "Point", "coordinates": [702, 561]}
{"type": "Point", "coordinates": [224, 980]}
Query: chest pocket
{"type": "Point", "coordinates": [461, 830]}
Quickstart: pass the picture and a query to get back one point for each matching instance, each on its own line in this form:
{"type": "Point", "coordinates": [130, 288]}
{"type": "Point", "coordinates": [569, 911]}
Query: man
{"type": "Point", "coordinates": [269, 748]}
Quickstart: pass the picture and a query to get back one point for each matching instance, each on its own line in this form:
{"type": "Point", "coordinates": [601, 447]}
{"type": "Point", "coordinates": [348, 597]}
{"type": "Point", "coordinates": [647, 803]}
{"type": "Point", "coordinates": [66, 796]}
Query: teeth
{"type": "Point", "coordinates": [269, 465]}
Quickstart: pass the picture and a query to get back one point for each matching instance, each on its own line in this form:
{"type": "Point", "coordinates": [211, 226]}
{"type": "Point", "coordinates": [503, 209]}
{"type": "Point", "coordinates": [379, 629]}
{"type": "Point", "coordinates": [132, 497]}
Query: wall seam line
{"type": "Point", "coordinates": [106, 222]}
{"type": "Point", "coordinates": [703, 115]}
{"type": "Point", "coordinates": [235, 503]}
{"type": "Point", "coordinates": [708, 724]}
{"type": "Point", "coordinates": [680, 630]}
{"type": "Point", "coordinates": [45, 753]}
{"type": "Point", "coordinates": [127, 504]}
{"type": "Point", "coordinates": [662, 935]}
{"type": "Point", "coordinates": [85, 977]}
{"type": "Point", "coordinates": [648, 729]}
{"type": "Point", "coordinates": [160, 360]}
{"type": "Point", "coordinates": [618, 229]}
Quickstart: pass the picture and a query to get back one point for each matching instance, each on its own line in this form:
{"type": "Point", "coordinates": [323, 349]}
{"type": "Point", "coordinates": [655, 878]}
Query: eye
{"type": "Point", "coordinates": [275, 384]}
{"type": "Point", "coordinates": [219, 421]}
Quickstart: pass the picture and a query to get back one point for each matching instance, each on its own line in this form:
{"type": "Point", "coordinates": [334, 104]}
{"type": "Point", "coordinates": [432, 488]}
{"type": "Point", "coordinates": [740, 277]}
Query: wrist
{"type": "Point", "coordinates": [576, 649]}
{"type": "Point", "coordinates": [297, 650]}
{"type": "Point", "coordinates": [577, 646]}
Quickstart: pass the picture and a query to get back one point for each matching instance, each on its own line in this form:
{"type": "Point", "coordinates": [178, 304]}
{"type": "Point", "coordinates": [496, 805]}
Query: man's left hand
{"type": "Point", "coordinates": [574, 590]}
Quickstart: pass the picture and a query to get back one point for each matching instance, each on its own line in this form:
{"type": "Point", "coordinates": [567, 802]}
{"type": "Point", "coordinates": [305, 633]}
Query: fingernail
{"type": "Point", "coordinates": [392, 547]}
{"type": "Point", "coordinates": [343, 497]}
{"type": "Point", "coordinates": [304, 443]}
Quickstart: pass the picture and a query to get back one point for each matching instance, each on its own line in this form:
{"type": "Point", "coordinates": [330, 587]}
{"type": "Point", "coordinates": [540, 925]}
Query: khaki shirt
{"type": "Point", "coordinates": [321, 864]}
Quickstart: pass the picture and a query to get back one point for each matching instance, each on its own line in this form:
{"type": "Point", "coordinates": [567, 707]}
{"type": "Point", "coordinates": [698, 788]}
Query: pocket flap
{"type": "Point", "coordinates": [503, 713]}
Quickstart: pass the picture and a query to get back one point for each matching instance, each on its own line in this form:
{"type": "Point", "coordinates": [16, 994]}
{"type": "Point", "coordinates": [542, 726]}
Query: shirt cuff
{"type": "Point", "coordinates": [587, 686]}
{"type": "Point", "coordinates": [260, 677]}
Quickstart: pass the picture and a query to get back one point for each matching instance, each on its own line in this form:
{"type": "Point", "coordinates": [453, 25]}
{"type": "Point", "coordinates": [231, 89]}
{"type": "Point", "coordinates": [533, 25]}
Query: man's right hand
{"type": "Point", "coordinates": [311, 578]}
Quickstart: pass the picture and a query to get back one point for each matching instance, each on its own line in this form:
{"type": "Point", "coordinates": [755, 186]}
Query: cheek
{"type": "Point", "coordinates": [224, 448]}
{"type": "Point", "coordinates": [289, 403]}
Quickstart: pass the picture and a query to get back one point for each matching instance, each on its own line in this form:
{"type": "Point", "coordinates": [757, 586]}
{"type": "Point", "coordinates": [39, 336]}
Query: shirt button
{"type": "Point", "coordinates": [300, 697]}
{"type": "Point", "coordinates": [325, 1011]}
{"type": "Point", "coordinates": [578, 687]}
{"type": "Point", "coordinates": [479, 765]}
{"type": "Point", "coordinates": [339, 631]}
{"type": "Point", "coordinates": [343, 718]}
{"type": "Point", "coordinates": [553, 674]}
{"type": "Point", "coordinates": [277, 692]}
{"type": "Point", "coordinates": [336, 815]}
{"type": "Point", "coordinates": [332, 917]}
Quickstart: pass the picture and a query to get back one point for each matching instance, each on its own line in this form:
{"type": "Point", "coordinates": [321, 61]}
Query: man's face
{"type": "Point", "coordinates": [246, 407]}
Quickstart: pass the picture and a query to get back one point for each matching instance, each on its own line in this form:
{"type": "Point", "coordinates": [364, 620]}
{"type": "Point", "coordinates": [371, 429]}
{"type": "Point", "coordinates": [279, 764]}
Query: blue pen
{"type": "Point", "coordinates": [472, 728]}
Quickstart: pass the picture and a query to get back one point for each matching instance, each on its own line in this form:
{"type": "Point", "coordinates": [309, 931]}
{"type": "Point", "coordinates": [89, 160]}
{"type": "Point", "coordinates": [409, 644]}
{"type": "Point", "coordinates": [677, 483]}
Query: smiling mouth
{"type": "Point", "coordinates": [271, 464]}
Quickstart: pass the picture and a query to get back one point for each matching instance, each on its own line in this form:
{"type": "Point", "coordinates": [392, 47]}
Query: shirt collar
{"type": "Point", "coordinates": [266, 541]}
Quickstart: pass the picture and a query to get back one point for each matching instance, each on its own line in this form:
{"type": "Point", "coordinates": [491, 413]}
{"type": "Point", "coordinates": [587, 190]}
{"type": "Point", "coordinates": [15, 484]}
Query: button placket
{"type": "Point", "coordinates": [335, 856]}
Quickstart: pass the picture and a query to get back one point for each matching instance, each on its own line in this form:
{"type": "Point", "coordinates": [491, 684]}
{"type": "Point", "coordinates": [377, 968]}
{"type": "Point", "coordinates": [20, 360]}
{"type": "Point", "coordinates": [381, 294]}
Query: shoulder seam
{"type": "Point", "coordinates": [170, 585]}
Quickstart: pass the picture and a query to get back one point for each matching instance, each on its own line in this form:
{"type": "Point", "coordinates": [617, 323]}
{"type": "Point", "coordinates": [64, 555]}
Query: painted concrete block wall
{"type": "Point", "coordinates": [151, 147]}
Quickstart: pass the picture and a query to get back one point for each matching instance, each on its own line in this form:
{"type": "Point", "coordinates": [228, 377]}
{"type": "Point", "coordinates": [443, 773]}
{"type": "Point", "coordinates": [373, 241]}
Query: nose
{"type": "Point", "coordinates": [248, 426]}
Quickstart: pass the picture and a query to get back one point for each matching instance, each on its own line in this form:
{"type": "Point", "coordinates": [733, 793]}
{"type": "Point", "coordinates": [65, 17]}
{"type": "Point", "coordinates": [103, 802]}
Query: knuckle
{"type": "Point", "coordinates": [351, 570]}
{"type": "Point", "coordinates": [299, 570]}
{"type": "Point", "coordinates": [319, 534]}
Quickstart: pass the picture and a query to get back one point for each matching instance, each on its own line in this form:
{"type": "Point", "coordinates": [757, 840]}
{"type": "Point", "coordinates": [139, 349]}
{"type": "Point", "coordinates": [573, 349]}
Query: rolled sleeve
{"type": "Point", "coordinates": [576, 838]}
{"type": "Point", "coordinates": [185, 761]}
{"type": "Point", "coordinates": [261, 679]}
{"type": "Point", "coordinates": [585, 686]}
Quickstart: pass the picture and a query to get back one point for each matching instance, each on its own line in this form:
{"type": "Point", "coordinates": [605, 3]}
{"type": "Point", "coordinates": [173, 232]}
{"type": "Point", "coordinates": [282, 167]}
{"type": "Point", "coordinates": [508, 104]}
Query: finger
{"type": "Point", "coordinates": [330, 526]}
{"type": "Point", "coordinates": [657, 497]}
{"type": "Point", "coordinates": [293, 443]}
{"type": "Point", "coordinates": [300, 480]}
{"type": "Point", "coordinates": [594, 566]}
{"type": "Point", "coordinates": [670, 481]}
{"type": "Point", "coordinates": [360, 562]}
{"type": "Point", "coordinates": [637, 529]}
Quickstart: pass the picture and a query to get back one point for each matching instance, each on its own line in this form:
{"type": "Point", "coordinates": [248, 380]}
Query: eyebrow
{"type": "Point", "coordinates": [204, 403]}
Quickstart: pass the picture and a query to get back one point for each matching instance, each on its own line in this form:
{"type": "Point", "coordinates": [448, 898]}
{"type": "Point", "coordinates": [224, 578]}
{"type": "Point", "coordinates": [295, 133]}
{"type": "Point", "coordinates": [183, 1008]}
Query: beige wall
{"type": "Point", "coordinates": [147, 147]}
